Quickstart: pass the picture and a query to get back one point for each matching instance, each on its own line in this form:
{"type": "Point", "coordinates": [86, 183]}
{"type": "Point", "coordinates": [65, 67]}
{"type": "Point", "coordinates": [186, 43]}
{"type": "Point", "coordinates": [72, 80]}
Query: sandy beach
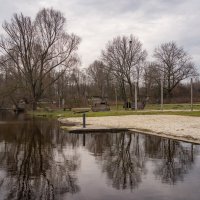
{"type": "Point", "coordinates": [178, 127]}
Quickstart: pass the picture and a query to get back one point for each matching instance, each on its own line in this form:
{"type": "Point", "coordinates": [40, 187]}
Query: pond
{"type": "Point", "coordinates": [38, 160]}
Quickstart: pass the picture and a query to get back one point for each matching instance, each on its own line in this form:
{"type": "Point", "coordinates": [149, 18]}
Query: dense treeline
{"type": "Point", "coordinates": [39, 62]}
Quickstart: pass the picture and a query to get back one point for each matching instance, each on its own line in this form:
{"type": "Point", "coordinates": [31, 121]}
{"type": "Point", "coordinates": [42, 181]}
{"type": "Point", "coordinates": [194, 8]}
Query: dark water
{"type": "Point", "coordinates": [40, 161]}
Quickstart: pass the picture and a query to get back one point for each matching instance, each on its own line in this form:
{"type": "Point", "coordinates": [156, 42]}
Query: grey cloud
{"type": "Point", "coordinates": [97, 21]}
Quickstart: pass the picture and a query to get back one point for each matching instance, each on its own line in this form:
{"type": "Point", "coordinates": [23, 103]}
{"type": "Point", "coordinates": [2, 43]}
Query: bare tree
{"type": "Point", "coordinates": [78, 79]}
{"type": "Point", "coordinates": [151, 80]}
{"type": "Point", "coordinates": [125, 57]}
{"type": "Point", "coordinates": [174, 65]}
{"type": "Point", "coordinates": [38, 48]}
{"type": "Point", "coordinates": [100, 77]}
{"type": "Point", "coordinates": [9, 84]}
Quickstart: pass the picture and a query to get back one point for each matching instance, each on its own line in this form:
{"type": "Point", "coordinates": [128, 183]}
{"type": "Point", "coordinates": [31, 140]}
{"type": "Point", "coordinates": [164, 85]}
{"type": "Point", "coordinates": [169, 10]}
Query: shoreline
{"type": "Point", "coordinates": [184, 128]}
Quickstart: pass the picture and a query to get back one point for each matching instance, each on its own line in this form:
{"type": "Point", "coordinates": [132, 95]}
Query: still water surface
{"type": "Point", "coordinates": [38, 160]}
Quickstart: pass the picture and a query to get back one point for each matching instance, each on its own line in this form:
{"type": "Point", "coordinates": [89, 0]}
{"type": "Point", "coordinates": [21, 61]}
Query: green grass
{"type": "Point", "coordinates": [172, 107]}
{"type": "Point", "coordinates": [169, 109]}
{"type": "Point", "coordinates": [185, 106]}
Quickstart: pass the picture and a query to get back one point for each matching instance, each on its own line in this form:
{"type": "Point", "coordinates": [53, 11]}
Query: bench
{"type": "Point", "coordinates": [67, 109]}
{"type": "Point", "coordinates": [80, 110]}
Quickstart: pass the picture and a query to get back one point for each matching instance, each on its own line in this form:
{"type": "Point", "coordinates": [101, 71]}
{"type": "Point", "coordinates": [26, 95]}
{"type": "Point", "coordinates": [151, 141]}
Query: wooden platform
{"type": "Point", "coordinates": [90, 129]}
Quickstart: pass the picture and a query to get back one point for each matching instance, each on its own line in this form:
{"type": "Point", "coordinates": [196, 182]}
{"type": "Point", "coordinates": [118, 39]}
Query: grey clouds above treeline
{"type": "Point", "coordinates": [97, 21]}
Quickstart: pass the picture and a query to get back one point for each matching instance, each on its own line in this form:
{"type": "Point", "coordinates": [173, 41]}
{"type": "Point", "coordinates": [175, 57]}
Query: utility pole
{"type": "Point", "coordinates": [191, 94]}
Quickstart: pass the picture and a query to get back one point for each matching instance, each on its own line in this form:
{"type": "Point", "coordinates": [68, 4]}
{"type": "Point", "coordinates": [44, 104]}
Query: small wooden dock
{"type": "Point", "coordinates": [80, 130]}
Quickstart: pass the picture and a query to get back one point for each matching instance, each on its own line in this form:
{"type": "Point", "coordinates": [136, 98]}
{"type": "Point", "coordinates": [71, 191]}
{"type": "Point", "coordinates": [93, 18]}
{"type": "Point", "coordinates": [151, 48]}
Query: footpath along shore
{"type": "Point", "coordinates": [172, 126]}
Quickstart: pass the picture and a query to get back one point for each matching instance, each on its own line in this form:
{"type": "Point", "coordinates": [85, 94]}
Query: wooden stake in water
{"type": "Point", "coordinates": [191, 94]}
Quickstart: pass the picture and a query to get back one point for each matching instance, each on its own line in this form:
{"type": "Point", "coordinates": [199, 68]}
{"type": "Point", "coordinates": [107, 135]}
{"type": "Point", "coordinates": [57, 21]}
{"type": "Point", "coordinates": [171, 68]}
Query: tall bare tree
{"type": "Point", "coordinates": [125, 57]}
{"type": "Point", "coordinates": [151, 80]}
{"type": "Point", "coordinates": [38, 48]}
{"type": "Point", "coordinates": [174, 65]}
{"type": "Point", "coordinates": [78, 79]}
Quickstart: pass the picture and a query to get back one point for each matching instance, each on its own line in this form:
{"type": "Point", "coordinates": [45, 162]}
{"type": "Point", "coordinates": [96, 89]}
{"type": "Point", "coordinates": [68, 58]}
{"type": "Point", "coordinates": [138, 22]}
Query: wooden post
{"type": "Point", "coordinates": [136, 96]}
{"type": "Point", "coordinates": [59, 103]}
{"type": "Point", "coordinates": [84, 120]}
{"type": "Point", "coordinates": [63, 103]}
{"type": "Point", "coordinates": [116, 99]}
{"type": "Point", "coordinates": [191, 94]}
{"type": "Point", "coordinates": [161, 100]}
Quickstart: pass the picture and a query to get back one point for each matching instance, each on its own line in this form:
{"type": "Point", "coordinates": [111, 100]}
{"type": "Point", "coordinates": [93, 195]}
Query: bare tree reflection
{"type": "Point", "coordinates": [175, 158]}
{"type": "Point", "coordinates": [36, 165]}
{"type": "Point", "coordinates": [121, 157]}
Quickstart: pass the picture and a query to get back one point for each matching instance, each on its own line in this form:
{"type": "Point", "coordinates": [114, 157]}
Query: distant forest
{"type": "Point", "coordinates": [39, 63]}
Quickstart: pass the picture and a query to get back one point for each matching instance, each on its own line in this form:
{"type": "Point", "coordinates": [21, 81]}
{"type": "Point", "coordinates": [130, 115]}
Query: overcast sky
{"type": "Point", "coordinates": [97, 21]}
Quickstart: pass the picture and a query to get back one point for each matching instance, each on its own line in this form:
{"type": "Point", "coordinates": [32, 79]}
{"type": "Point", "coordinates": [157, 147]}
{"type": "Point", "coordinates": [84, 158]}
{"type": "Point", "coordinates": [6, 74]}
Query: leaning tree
{"type": "Point", "coordinates": [39, 49]}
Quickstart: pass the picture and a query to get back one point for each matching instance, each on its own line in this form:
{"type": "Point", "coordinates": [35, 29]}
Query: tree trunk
{"type": "Point", "coordinates": [169, 95]}
{"type": "Point", "coordinates": [34, 105]}
{"type": "Point", "coordinates": [138, 90]}
{"type": "Point", "coordinates": [131, 90]}
{"type": "Point", "coordinates": [123, 91]}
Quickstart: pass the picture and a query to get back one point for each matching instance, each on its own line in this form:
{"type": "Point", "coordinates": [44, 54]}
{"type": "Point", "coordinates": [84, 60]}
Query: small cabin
{"type": "Point", "coordinates": [99, 104]}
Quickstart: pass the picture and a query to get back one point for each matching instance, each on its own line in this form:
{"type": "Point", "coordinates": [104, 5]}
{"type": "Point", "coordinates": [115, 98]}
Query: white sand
{"type": "Point", "coordinates": [182, 127]}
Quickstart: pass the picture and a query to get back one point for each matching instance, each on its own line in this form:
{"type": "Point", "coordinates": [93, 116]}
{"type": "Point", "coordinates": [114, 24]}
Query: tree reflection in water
{"type": "Point", "coordinates": [37, 161]}
{"type": "Point", "coordinates": [34, 162]}
{"type": "Point", "coordinates": [176, 159]}
{"type": "Point", "coordinates": [121, 157]}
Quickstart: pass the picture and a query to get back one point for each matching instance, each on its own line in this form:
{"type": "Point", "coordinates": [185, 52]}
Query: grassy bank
{"type": "Point", "coordinates": [180, 107]}
{"type": "Point", "coordinates": [169, 109]}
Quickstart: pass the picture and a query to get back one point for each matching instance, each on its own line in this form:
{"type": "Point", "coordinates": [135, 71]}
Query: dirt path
{"type": "Point", "coordinates": [180, 127]}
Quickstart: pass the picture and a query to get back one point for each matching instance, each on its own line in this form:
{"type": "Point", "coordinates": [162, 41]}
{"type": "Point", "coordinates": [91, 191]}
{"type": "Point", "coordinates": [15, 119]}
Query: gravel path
{"type": "Point", "coordinates": [181, 127]}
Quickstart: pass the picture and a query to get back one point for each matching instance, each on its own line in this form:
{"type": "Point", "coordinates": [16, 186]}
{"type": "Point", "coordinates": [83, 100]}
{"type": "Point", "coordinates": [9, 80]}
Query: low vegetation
{"type": "Point", "coordinates": [151, 109]}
